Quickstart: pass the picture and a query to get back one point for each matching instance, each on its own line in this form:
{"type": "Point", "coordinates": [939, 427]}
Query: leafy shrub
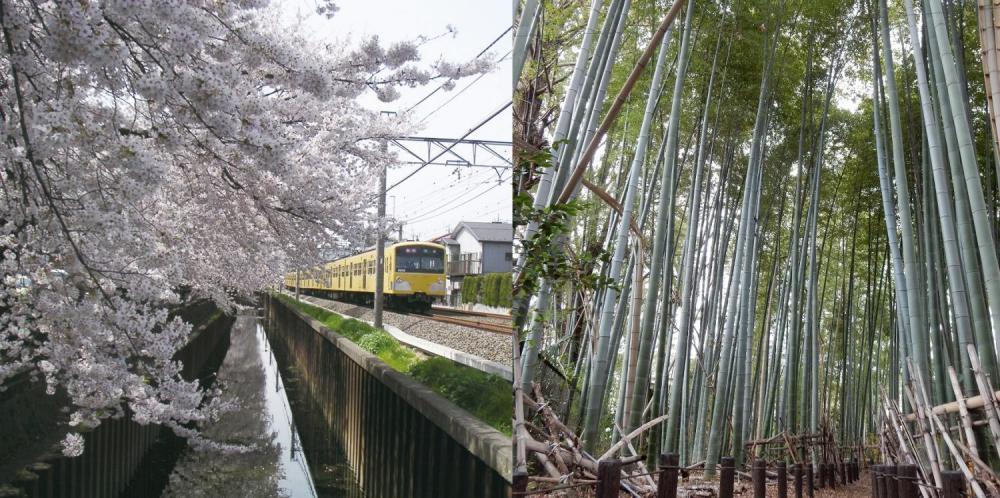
{"type": "Point", "coordinates": [353, 329]}
{"type": "Point", "coordinates": [491, 289]}
{"type": "Point", "coordinates": [506, 290]}
{"type": "Point", "coordinates": [486, 396]}
{"type": "Point", "coordinates": [376, 342]}
{"type": "Point", "coordinates": [470, 289]}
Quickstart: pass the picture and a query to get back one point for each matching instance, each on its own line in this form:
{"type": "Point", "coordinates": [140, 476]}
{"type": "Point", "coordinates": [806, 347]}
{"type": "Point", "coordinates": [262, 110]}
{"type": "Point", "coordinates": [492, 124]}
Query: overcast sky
{"type": "Point", "coordinates": [436, 198]}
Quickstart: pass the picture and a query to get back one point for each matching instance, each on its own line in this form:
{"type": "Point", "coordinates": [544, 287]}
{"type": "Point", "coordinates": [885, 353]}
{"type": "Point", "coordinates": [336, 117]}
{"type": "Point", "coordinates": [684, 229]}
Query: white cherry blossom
{"type": "Point", "coordinates": [158, 152]}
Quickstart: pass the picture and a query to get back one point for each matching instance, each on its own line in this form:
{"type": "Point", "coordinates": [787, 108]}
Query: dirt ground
{"type": "Point", "coordinates": [858, 489]}
{"type": "Point", "coordinates": [696, 487]}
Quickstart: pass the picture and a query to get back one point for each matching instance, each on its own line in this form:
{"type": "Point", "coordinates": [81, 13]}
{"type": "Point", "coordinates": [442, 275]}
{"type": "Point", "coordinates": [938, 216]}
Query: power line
{"type": "Point", "coordinates": [448, 202]}
{"type": "Point", "coordinates": [456, 142]}
{"type": "Point", "coordinates": [456, 183]}
{"type": "Point", "coordinates": [434, 212]}
{"type": "Point", "coordinates": [480, 54]}
{"type": "Point", "coordinates": [460, 92]}
{"type": "Point", "coordinates": [460, 205]}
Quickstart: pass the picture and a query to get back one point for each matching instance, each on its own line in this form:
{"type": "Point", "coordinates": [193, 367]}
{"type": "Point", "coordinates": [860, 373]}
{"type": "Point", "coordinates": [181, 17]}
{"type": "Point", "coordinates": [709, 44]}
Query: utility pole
{"type": "Point", "coordinates": [489, 148]}
{"type": "Point", "coordinates": [297, 273]}
{"type": "Point", "coordinates": [380, 249]}
{"type": "Point", "coordinates": [380, 240]}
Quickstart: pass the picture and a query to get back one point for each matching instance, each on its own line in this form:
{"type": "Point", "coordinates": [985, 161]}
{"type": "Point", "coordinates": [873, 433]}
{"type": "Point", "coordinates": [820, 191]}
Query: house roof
{"type": "Point", "coordinates": [487, 232]}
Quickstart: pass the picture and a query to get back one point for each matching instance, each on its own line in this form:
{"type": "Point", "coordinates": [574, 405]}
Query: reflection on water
{"type": "Point", "coordinates": [276, 465]}
{"type": "Point", "coordinates": [294, 480]}
{"type": "Point", "coordinates": [332, 476]}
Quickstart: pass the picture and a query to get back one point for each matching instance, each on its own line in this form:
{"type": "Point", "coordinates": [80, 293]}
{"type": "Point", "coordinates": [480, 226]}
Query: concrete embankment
{"type": "Point", "coordinates": [401, 438]}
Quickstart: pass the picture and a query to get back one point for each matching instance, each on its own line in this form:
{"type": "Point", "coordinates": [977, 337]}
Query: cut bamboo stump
{"type": "Point", "coordinates": [907, 487]}
{"type": "Point", "coordinates": [782, 480]}
{"type": "Point", "coordinates": [520, 482]}
{"type": "Point", "coordinates": [875, 471]}
{"type": "Point", "coordinates": [759, 476]}
{"type": "Point", "coordinates": [881, 490]}
{"type": "Point", "coordinates": [727, 477]}
{"type": "Point", "coordinates": [953, 484]}
{"type": "Point", "coordinates": [810, 480]}
{"type": "Point", "coordinates": [667, 486]}
{"type": "Point", "coordinates": [609, 473]}
{"type": "Point", "coordinates": [890, 481]}
{"type": "Point", "coordinates": [797, 469]}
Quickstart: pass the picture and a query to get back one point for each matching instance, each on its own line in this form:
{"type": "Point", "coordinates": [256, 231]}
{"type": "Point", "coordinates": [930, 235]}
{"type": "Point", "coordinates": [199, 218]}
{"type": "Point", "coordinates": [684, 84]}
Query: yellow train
{"type": "Point", "coordinates": [414, 276]}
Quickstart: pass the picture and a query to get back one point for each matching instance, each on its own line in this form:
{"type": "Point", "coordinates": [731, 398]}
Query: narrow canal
{"type": "Point", "coordinates": [287, 455]}
{"type": "Point", "coordinates": [291, 423]}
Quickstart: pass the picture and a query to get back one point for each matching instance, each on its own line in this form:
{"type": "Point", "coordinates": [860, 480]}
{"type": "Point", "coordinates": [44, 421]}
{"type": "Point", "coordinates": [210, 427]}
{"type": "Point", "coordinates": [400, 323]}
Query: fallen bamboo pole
{"type": "Point", "coordinates": [952, 407]}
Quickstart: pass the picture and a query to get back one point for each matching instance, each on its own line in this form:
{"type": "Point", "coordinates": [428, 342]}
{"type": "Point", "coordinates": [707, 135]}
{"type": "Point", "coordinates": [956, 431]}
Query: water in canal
{"type": "Point", "coordinates": [293, 455]}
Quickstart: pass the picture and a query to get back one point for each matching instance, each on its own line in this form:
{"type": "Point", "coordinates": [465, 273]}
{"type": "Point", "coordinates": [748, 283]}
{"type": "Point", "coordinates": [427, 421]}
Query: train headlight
{"type": "Point", "coordinates": [401, 285]}
{"type": "Point", "coordinates": [438, 286]}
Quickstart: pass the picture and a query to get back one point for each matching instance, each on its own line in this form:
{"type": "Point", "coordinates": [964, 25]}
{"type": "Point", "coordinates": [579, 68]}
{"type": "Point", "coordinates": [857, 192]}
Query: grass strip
{"type": "Point", "coordinates": [484, 395]}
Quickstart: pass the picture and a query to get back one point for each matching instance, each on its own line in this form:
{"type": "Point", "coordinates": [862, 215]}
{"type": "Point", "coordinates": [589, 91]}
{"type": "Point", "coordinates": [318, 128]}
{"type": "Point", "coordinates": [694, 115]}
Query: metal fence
{"type": "Point", "coordinates": [467, 264]}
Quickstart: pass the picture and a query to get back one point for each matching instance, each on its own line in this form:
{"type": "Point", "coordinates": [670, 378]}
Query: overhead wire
{"type": "Point", "coordinates": [480, 54]}
{"type": "Point", "coordinates": [457, 206]}
{"type": "Point", "coordinates": [434, 212]}
{"type": "Point", "coordinates": [453, 144]}
{"type": "Point", "coordinates": [447, 203]}
{"type": "Point", "coordinates": [456, 183]}
{"type": "Point", "coordinates": [458, 93]}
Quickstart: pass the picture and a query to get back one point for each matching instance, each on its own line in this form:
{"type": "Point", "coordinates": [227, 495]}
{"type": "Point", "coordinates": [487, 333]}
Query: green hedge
{"type": "Point", "coordinates": [470, 289]}
{"type": "Point", "coordinates": [492, 289]}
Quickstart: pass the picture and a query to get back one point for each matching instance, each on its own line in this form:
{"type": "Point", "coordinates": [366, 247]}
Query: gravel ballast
{"type": "Point", "coordinates": [482, 343]}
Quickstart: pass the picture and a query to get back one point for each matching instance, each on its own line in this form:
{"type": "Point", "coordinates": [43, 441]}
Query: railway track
{"type": "Point", "coordinates": [456, 312]}
{"type": "Point", "coordinates": [452, 317]}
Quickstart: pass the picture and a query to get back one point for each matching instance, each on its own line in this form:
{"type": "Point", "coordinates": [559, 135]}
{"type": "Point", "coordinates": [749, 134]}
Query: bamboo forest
{"type": "Point", "coordinates": [761, 233]}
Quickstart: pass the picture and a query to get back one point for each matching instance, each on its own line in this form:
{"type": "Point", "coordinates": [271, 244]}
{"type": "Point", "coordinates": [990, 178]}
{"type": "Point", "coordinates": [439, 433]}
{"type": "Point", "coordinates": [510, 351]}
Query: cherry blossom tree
{"type": "Point", "coordinates": [156, 149]}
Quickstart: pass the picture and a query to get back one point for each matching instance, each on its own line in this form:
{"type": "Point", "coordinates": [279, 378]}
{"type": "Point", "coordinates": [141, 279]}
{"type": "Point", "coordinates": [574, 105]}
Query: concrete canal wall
{"type": "Point", "coordinates": [32, 423]}
{"type": "Point", "coordinates": [401, 438]}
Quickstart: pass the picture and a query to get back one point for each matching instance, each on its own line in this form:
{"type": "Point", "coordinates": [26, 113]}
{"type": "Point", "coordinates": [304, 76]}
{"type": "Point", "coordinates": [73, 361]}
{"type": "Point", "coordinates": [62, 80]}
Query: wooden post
{"type": "Point", "coordinates": [831, 475]}
{"type": "Point", "coordinates": [782, 480]}
{"type": "Point", "coordinates": [953, 484]}
{"type": "Point", "coordinates": [810, 482]}
{"type": "Point", "coordinates": [843, 473]}
{"type": "Point", "coordinates": [727, 477]}
{"type": "Point", "coordinates": [798, 469]}
{"type": "Point", "coordinates": [880, 479]}
{"type": "Point", "coordinates": [520, 484]}
{"type": "Point", "coordinates": [907, 487]}
{"type": "Point", "coordinates": [889, 471]}
{"type": "Point", "coordinates": [667, 486]}
{"type": "Point", "coordinates": [609, 474]}
{"type": "Point", "coordinates": [759, 477]}
{"type": "Point", "coordinates": [874, 473]}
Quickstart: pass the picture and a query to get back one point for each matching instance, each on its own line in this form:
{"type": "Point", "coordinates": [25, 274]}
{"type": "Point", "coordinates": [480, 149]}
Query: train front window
{"type": "Point", "coordinates": [419, 260]}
